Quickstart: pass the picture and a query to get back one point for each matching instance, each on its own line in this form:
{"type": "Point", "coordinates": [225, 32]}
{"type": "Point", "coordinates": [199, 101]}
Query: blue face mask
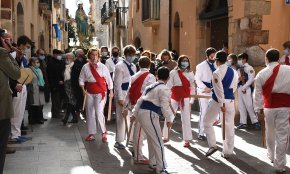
{"type": "Point", "coordinates": [41, 57]}
{"type": "Point", "coordinates": [286, 52]}
{"type": "Point", "coordinates": [229, 63]}
{"type": "Point", "coordinates": [184, 64]}
{"type": "Point", "coordinates": [130, 59]}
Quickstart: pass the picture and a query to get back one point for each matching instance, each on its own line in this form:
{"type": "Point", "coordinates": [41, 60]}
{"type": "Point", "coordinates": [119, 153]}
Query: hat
{"type": "Point", "coordinates": [26, 76]}
{"type": "Point", "coordinates": [221, 56]}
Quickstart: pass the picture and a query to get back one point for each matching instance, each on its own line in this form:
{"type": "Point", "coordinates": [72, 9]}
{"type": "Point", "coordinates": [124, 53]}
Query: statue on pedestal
{"type": "Point", "coordinates": [82, 23]}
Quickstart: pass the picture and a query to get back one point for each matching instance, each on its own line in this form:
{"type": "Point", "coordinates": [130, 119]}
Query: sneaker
{"type": "Point", "coordinates": [201, 137]}
{"type": "Point", "coordinates": [143, 162]}
{"type": "Point", "coordinates": [90, 138]}
{"type": "Point", "coordinates": [153, 167]}
{"type": "Point", "coordinates": [18, 140]}
{"type": "Point", "coordinates": [211, 151]}
{"type": "Point", "coordinates": [162, 172]}
{"type": "Point", "coordinates": [280, 170]}
{"type": "Point", "coordinates": [104, 137]}
{"type": "Point", "coordinates": [242, 126]}
{"type": "Point", "coordinates": [257, 126]}
{"type": "Point", "coordinates": [186, 144]}
{"type": "Point", "coordinates": [225, 156]}
{"type": "Point", "coordinates": [119, 146]}
{"type": "Point", "coordinates": [25, 138]}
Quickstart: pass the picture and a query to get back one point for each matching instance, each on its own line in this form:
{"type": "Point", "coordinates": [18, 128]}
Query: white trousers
{"type": "Point", "coordinates": [138, 138]}
{"type": "Point", "coordinates": [209, 117]}
{"type": "Point", "coordinates": [19, 104]}
{"type": "Point", "coordinates": [95, 113]}
{"type": "Point", "coordinates": [203, 104]}
{"type": "Point", "coordinates": [185, 119]}
{"type": "Point", "coordinates": [277, 135]}
{"type": "Point", "coordinates": [120, 124]}
{"type": "Point", "coordinates": [150, 123]}
{"type": "Point", "coordinates": [245, 104]}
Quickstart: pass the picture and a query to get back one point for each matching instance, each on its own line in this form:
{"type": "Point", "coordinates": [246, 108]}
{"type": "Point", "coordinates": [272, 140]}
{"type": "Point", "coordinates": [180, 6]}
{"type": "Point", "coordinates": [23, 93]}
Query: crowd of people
{"type": "Point", "coordinates": [145, 88]}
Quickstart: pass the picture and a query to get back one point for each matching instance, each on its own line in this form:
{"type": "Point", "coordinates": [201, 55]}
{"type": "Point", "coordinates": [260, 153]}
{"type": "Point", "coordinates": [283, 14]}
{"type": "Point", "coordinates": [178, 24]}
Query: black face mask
{"type": "Point", "coordinates": [115, 54]}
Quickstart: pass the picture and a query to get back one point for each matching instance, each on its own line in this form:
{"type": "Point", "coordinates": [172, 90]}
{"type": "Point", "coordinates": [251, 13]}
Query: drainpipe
{"type": "Point", "coordinates": [169, 26]}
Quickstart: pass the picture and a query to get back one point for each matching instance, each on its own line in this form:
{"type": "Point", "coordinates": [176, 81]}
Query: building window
{"type": "Point", "coordinates": [150, 10]}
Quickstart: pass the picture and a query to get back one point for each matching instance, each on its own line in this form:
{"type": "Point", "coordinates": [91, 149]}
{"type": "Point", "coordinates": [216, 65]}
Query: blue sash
{"type": "Point", "coordinates": [227, 80]}
{"type": "Point", "coordinates": [147, 105]}
{"type": "Point", "coordinates": [152, 87]}
{"type": "Point", "coordinates": [211, 66]}
{"type": "Point", "coordinates": [125, 86]}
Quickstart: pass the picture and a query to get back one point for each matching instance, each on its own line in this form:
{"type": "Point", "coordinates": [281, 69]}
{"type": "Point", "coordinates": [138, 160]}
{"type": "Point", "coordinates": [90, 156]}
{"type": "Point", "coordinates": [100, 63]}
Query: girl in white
{"type": "Point", "coordinates": [94, 76]}
{"type": "Point", "coordinates": [181, 83]}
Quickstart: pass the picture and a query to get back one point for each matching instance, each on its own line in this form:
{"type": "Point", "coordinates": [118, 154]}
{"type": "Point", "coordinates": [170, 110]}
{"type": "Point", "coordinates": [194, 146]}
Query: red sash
{"type": "Point", "coordinates": [274, 100]}
{"type": "Point", "coordinates": [135, 90]}
{"type": "Point", "coordinates": [287, 60]}
{"type": "Point", "coordinates": [181, 92]}
{"type": "Point", "coordinates": [99, 86]}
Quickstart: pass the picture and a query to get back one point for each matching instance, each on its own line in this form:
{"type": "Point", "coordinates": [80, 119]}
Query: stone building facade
{"type": "Point", "coordinates": [36, 19]}
{"type": "Point", "coordinates": [189, 27]}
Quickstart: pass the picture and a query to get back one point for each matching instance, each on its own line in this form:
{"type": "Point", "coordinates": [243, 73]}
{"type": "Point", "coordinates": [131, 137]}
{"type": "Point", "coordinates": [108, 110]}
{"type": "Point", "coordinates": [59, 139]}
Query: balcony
{"type": "Point", "coordinates": [120, 19]}
{"type": "Point", "coordinates": [112, 11]}
{"type": "Point", "coordinates": [45, 6]}
{"type": "Point", "coordinates": [151, 13]}
{"type": "Point", "coordinates": [57, 3]}
{"type": "Point", "coordinates": [104, 15]}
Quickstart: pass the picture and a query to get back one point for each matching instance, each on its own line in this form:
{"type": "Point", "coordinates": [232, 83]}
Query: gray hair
{"type": "Point", "coordinates": [70, 54]}
{"type": "Point", "coordinates": [78, 50]}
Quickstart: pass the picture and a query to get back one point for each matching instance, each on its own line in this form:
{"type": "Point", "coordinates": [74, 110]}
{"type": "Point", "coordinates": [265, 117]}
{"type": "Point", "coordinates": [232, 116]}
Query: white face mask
{"type": "Point", "coordinates": [13, 54]}
{"type": "Point", "coordinates": [240, 62]}
{"type": "Point", "coordinates": [58, 57]}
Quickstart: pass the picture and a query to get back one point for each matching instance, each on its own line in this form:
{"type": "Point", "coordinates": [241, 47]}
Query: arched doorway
{"type": "Point", "coordinates": [176, 33]}
{"type": "Point", "coordinates": [20, 20]}
{"type": "Point", "coordinates": [137, 42]}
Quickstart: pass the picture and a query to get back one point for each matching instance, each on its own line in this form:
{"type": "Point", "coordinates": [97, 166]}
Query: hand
{"type": "Point", "coordinates": [18, 87]}
{"type": "Point", "coordinates": [85, 92]}
{"type": "Point", "coordinates": [206, 90]}
{"type": "Point", "coordinates": [169, 124]}
{"type": "Point", "coordinates": [111, 95]}
{"type": "Point", "coordinates": [132, 118]}
{"type": "Point", "coordinates": [240, 78]}
{"type": "Point", "coordinates": [244, 91]}
{"type": "Point", "coordinates": [60, 82]}
{"type": "Point", "coordinates": [223, 109]}
{"type": "Point", "coordinates": [125, 113]}
{"type": "Point", "coordinates": [121, 102]}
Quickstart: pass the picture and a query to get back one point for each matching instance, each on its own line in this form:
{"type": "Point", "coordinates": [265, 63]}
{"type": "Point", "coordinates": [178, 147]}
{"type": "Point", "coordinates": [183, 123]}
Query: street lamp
{"type": "Point", "coordinates": [122, 9]}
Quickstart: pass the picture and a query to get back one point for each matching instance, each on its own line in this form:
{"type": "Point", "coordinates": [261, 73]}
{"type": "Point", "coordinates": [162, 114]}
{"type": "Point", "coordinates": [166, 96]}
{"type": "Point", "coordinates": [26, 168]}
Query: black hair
{"type": "Point", "coordinates": [163, 73]}
{"type": "Point", "coordinates": [56, 51]}
{"type": "Point", "coordinates": [23, 40]}
{"type": "Point", "coordinates": [272, 55]}
{"type": "Point", "coordinates": [221, 56]}
{"type": "Point", "coordinates": [244, 56]}
{"type": "Point", "coordinates": [209, 51]}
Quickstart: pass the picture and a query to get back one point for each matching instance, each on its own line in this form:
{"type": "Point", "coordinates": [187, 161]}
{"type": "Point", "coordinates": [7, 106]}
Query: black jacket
{"type": "Point", "coordinates": [55, 69]}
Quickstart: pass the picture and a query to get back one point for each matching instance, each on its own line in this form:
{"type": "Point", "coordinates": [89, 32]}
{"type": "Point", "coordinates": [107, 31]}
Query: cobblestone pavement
{"type": "Point", "coordinates": [58, 149]}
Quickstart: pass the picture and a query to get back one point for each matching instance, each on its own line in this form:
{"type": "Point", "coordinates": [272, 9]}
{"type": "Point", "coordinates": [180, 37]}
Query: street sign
{"type": "Point", "coordinates": [287, 2]}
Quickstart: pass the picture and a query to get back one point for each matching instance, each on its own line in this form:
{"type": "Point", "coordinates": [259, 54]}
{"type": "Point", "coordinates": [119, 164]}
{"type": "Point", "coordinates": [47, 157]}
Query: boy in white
{"type": "Point", "coordinates": [225, 81]}
{"type": "Point", "coordinates": [94, 76]}
{"type": "Point", "coordinates": [155, 99]}
{"type": "Point", "coordinates": [138, 83]}
{"type": "Point", "coordinates": [112, 62]}
{"type": "Point", "coordinates": [203, 78]}
{"type": "Point", "coordinates": [245, 101]}
{"type": "Point", "coordinates": [272, 97]}
{"type": "Point", "coordinates": [123, 72]}
{"type": "Point", "coordinates": [181, 83]}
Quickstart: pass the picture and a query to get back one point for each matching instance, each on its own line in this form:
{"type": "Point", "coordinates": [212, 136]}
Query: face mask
{"type": "Point", "coordinates": [115, 54]}
{"type": "Point", "coordinates": [67, 62]}
{"type": "Point", "coordinates": [229, 63]}
{"type": "Point", "coordinates": [286, 52]}
{"type": "Point", "coordinates": [104, 54]}
{"type": "Point", "coordinates": [37, 66]}
{"type": "Point", "coordinates": [130, 59]}
{"type": "Point", "coordinates": [41, 57]}
{"type": "Point", "coordinates": [240, 62]}
{"type": "Point", "coordinates": [184, 64]}
{"type": "Point", "coordinates": [58, 57]}
{"type": "Point", "coordinates": [13, 54]}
